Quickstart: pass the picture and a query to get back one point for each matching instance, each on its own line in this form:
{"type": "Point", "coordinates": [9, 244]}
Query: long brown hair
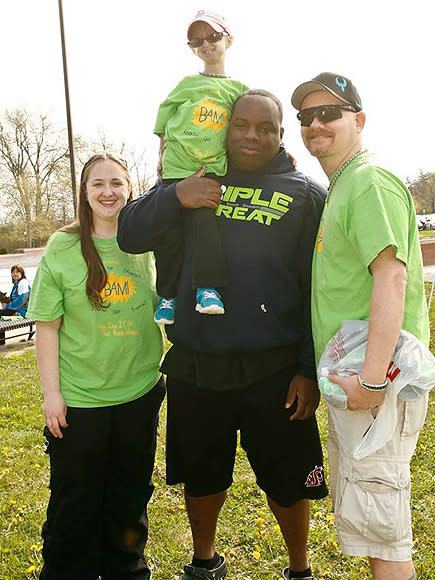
{"type": "Point", "coordinates": [84, 225]}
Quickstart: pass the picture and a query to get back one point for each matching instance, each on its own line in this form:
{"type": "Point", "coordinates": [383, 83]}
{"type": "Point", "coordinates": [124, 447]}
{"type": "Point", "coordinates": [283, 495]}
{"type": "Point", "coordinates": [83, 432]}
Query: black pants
{"type": "Point", "coordinates": [208, 263]}
{"type": "Point", "coordinates": [100, 487]}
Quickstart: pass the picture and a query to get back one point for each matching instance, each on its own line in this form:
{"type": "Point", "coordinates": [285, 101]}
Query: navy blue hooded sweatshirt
{"type": "Point", "coordinates": [268, 220]}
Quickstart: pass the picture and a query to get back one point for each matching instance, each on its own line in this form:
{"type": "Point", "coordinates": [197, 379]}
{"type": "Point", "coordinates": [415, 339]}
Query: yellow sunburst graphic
{"type": "Point", "coordinates": [118, 288]}
{"type": "Point", "coordinates": [209, 115]}
{"type": "Point", "coordinates": [319, 243]}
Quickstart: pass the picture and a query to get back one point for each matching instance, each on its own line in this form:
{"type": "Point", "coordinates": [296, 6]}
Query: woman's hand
{"type": "Point", "coordinates": [55, 413]}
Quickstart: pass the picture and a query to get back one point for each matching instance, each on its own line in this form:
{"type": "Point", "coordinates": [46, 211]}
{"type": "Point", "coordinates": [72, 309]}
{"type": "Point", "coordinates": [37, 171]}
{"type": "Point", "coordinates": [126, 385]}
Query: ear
{"type": "Point", "coordinates": [281, 133]}
{"type": "Point", "coordinates": [229, 41]}
{"type": "Point", "coordinates": [360, 121]}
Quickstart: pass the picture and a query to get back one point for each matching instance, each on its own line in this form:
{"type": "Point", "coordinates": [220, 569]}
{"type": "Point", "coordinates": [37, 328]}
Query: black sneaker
{"type": "Point", "coordinates": [286, 576]}
{"type": "Point", "coordinates": [195, 573]}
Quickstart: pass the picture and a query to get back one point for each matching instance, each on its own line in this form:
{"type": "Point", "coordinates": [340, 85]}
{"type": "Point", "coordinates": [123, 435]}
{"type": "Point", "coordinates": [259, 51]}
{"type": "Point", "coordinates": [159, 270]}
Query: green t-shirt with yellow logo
{"type": "Point", "coordinates": [368, 210]}
{"type": "Point", "coordinates": [106, 356]}
{"type": "Point", "coordinates": [194, 121]}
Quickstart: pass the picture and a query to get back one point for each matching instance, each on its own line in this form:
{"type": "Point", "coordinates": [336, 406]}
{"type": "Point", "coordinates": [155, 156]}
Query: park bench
{"type": "Point", "coordinates": [12, 324]}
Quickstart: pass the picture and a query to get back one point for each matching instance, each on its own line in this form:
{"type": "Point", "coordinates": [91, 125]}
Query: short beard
{"type": "Point", "coordinates": [320, 154]}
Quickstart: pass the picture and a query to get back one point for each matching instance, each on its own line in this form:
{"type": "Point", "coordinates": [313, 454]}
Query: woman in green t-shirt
{"type": "Point", "coordinates": [98, 352]}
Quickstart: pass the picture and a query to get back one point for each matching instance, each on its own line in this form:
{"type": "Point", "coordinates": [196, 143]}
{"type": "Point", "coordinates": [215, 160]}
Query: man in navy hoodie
{"type": "Point", "coordinates": [251, 369]}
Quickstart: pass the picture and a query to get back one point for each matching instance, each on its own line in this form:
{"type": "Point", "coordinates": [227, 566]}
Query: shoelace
{"type": "Point", "coordinates": [167, 304]}
{"type": "Point", "coordinates": [210, 295]}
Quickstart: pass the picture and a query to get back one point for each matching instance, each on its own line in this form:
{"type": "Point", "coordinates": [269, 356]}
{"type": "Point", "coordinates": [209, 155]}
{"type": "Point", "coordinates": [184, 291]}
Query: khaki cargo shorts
{"type": "Point", "coordinates": [372, 495]}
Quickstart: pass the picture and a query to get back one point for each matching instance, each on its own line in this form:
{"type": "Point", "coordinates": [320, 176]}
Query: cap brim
{"type": "Point", "coordinates": [310, 87]}
{"type": "Point", "coordinates": [217, 27]}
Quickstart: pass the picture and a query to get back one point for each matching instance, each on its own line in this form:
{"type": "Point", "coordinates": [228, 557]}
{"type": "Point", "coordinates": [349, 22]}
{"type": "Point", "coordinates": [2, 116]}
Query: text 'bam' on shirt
{"type": "Point", "coordinates": [118, 288]}
{"type": "Point", "coordinates": [210, 115]}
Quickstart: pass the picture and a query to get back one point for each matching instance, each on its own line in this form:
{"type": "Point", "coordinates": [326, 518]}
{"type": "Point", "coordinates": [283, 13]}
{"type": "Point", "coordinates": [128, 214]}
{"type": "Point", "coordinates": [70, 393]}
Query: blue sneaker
{"type": "Point", "coordinates": [208, 301]}
{"type": "Point", "coordinates": [165, 313]}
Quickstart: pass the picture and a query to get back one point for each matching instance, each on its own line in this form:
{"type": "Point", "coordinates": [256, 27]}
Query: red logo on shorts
{"type": "Point", "coordinates": [315, 477]}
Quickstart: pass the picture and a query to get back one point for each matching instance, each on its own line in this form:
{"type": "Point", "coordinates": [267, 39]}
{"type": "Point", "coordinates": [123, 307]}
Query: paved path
{"type": "Point", "coordinates": [429, 273]}
{"type": "Point", "coordinates": [27, 258]}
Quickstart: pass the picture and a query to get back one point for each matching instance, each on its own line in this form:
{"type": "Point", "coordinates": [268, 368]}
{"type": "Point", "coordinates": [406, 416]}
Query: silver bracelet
{"type": "Point", "coordinates": [372, 386]}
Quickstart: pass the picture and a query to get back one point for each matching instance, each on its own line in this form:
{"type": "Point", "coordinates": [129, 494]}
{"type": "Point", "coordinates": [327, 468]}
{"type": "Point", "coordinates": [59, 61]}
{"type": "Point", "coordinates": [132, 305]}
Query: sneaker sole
{"type": "Point", "coordinates": [164, 321]}
{"type": "Point", "coordinates": [213, 309]}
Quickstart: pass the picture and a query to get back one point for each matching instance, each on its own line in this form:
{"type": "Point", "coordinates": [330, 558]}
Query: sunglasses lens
{"type": "Point", "coordinates": [214, 37]}
{"type": "Point", "coordinates": [211, 39]}
{"type": "Point", "coordinates": [306, 117]}
{"type": "Point", "coordinates": [195, 42]}
{"type": "Point", "coordinates": [328, 114]}
{"type": "Point", "coordinates": [324, 114]}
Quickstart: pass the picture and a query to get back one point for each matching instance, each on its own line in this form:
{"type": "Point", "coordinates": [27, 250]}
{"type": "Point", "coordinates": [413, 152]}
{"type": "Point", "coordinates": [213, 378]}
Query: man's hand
{"type": "Point", "coordinates": [357, 396]}
{"type": "Point", "coordinates": [198, 191]}
{"type": "Point", "coordinates": [308, 396]}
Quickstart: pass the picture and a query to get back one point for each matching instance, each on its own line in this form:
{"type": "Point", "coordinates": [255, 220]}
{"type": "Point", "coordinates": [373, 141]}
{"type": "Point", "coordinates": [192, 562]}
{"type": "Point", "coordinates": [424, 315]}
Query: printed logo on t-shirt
{"type": "Point", "coordinates": [246, 204]}
{"type": "Point", "coordinates": [319, 243]}
{"type": "Point", "coordinates": [118, 288]}
{"type": "Point", "coordinates": [209, 115]}
{"type": "Point", "coordinates": [315, 477]}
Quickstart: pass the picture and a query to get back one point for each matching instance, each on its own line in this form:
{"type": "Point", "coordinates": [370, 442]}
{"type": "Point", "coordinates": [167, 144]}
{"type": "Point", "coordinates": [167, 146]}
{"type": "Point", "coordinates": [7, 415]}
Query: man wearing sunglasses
{"type": "Point", "coordinates": [251, 370]}
{"type": "Point", "coordinates": [367, 266]}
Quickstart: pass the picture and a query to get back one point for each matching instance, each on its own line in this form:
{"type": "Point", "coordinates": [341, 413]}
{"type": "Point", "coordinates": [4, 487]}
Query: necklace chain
{"type": "Point", "coordinates": [342, 168]}
{"type": "Point", "coordinates": [224, 76]}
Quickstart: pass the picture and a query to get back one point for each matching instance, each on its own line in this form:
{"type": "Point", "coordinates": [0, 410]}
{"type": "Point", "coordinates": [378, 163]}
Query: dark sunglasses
{"type": "Point", "coordinates": [324, 113]}
{"type": "Point", "coordinates": [211, 39]}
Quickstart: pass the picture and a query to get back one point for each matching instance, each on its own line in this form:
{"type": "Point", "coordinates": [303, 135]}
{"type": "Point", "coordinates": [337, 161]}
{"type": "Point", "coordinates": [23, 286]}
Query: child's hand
{"type": "Point", "coordinates": [198, 191]}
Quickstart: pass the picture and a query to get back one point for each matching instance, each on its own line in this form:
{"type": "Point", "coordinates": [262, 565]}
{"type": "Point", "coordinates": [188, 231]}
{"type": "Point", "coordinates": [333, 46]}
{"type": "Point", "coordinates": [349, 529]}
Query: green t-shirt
{"type": "Point", "coordinates": [194, 121]}
{"type": "Point", "coordinates": [107, 356]}
{"type": "Point", "coordinates": [368, 210]}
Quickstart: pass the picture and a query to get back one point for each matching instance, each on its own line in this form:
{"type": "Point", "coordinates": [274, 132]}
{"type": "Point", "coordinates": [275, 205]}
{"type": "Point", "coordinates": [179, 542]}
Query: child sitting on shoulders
{"type": "Point", "coordinates": [192, 124]}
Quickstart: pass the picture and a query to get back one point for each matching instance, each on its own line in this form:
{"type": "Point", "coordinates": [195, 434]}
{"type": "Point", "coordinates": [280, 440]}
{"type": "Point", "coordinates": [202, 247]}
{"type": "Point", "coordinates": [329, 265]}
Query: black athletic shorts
{"type": "Point", "coordinates": [202, 426]}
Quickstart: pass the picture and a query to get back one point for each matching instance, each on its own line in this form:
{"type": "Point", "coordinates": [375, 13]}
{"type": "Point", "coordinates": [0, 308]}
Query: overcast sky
{"type": "Point", "coordinates": [124, 57]}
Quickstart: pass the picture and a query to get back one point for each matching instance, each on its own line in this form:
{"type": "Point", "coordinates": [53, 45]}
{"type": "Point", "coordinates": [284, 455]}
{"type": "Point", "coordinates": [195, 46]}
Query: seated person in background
{"type": "Point", "coordinates": [19, 297]}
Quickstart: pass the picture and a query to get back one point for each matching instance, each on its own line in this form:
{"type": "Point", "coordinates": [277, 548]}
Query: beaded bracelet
{"type": "Point", "coordinates": [372, 386]}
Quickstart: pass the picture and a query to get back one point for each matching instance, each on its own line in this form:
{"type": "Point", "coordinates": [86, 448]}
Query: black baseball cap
{"type": "Point", "coordinates": [338, 85]}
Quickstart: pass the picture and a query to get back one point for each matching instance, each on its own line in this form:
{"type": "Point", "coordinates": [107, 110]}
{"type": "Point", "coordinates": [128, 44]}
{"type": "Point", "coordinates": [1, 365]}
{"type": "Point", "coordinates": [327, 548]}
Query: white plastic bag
{"type": "Point", "coordinates": [411, 374]}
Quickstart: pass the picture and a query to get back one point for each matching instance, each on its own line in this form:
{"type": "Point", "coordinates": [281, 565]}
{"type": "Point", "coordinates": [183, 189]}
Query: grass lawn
{"type": "Point", "coordinates": [426, 234]}
{"type": "Point", "coordinates": [248, 534]}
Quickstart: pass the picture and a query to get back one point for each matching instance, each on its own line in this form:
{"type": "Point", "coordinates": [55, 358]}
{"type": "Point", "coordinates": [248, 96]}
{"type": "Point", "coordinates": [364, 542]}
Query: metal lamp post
{"type": "Point", "coordinates": [68, 109]}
